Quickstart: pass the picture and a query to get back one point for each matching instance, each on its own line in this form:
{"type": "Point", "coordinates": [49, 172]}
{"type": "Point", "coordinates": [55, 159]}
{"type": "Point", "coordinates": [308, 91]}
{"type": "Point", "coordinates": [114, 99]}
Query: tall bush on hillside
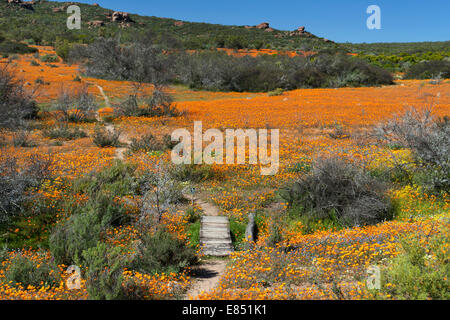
{"type": "Point", "coordinates": [109, 59]}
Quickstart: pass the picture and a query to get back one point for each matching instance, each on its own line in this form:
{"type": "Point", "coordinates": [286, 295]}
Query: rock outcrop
{"type": "Point", "coordinates": [26, 5]}
{"type": "Point", "coordinates": [96, 23]}
{"type": "Point", "coordinates": [300, 32]}
{"type": "Point", "coordinates": [263, 26]}
{"type": "Point", "coordinates": [118, 16]}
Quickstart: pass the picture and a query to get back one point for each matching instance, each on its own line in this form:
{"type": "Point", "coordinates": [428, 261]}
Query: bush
{"type": "Point", "coordinates": [104, 138]}
{"type": "Point", "coordinates": [77, 107]}
{"type": "Point", "coordinates": [421, 271]}
{"type": "Point", "coordinates": [429, 140]}
{"type": "Point", "coordinates": [69, 239]}
{"type": "Point", "coordinates": [276, 92]}
{"type": "Point", "coordinates": [64, 132]}
{"type": "Point", "coordinates": [49, 58]}
{"type": "Point", "coordinates": [83, 229]}
{"type": "Point", "coordinates": [192, 172]}
{"type": "Point", "coordinates": [21, 138]}
{"type": "Point", "coordinates": [13, 47]}
{"type": "Point", "coordinates": [162, 252]}
{"type": "Point", "coordinates": [104, 276]}
{"type": "Point", "coordinates": [38, 272]}
{"type": "Point", "coordinates": [118, 180]}
{"type": "Point", "coordinates": [335, 189]}
{"type": "Point", "coordinates": [16, 104]}
{"type": "Point", "coordinates": [18, 183]}
{"type": "Point", "coordinates": [160, 193]}
{"type": "Point", "coordinates": [220, 72]}
{"type": "Point", "coordinates": [158, 104]}
{"type": "Point", "coordinates": [149, 143]}
{"type": "Point", "coordinates": [429, 70]}
{"type": "Point", "coordinates": [192, 215]}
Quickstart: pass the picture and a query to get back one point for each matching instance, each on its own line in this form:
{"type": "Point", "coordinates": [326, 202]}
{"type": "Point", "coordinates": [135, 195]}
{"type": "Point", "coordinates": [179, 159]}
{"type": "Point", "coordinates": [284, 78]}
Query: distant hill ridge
{"type": "Point", "coordinates": [42, 22]}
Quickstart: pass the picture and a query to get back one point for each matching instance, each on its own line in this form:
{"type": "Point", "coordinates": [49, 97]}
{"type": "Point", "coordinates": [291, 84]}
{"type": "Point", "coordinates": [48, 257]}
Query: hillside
{"type": "Point", "coordinates": [45, 22]}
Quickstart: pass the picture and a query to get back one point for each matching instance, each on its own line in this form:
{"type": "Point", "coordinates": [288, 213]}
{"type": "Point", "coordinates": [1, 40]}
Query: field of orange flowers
{"type": "Point", "coordinates": [305, 118]}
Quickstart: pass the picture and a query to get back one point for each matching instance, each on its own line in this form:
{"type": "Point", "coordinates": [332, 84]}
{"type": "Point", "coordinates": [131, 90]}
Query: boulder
{"type": "Point", "coordinates": [96, 23]}
{"type": "Point", "coordinates": [118, 16]}
{"type": "Point", "coordinates": [263, 26]}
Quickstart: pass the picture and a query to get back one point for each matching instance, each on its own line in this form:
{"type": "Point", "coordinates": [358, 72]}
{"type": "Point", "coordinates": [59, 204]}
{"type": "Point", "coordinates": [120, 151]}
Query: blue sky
{"type": "Point", "coordinates": [341, 21]}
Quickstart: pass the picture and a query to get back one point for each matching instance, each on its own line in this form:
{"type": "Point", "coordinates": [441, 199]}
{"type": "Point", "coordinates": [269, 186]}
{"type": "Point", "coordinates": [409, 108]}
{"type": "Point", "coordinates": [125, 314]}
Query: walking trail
{"type": "Point", "coordinates": [120, 152]}
{"type": "Point", "coordinates": [216, 241]}
{"type": "Point", "coordinates": [215, 236]}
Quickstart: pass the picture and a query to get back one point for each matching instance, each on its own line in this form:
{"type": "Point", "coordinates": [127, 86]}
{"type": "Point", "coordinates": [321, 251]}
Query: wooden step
{"type": "Point", "coordinates": [215, 238]}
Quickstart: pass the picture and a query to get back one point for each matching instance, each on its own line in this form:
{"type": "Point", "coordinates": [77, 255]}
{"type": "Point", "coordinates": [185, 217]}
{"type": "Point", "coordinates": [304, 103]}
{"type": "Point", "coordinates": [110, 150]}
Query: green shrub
{"type": "Point", "coordinates": [429, 70]}
{"type": "Point", "coordinates": [422, 271]}
{"type": "Point", "coordinates": [158, 104]}
{"type": "Point", "coordinates": [193, 172]}
{"type": "Point", "coordinates": [83, 229]}
{"type": "Point", "coordinates": [192, 215]}
{"type": "Point", "coordinates": [237, 231]}
{"type": "Point", "coordinates": [194, 234]}
{"type": "Point", "coordinates": [23, 271]}
{"type": "Point", "coordinates": [104, 138]}
{"type": "Point", "coordinates": [104, 276]}
{"type": "Point", "coordinates": [163, 252]}
{"type": "Point", "coordinates": [13, 47]}
{"type": "Point", "coordinates": [118, 180]}
{"type": "Point", "coordinates": [64, 132]}
{"type": "Point", "coordinates": [49, 58]}
{"type": "Point", "coordinates": [276, 92]}
{"type": "Point", "coordinates": [70, 238]}
{"type": "Point", "coordinates": [149, 143]}
{"type": "Point", "coordinates": [62, 48]}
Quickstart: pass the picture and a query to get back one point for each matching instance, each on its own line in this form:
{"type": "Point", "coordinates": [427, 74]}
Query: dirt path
{"type": "Point", "coordinates": [105, 97]}
{"type": "Point", "coordinates": [206, 276]}
{"type": "Point", "coordinates": [120, 152]}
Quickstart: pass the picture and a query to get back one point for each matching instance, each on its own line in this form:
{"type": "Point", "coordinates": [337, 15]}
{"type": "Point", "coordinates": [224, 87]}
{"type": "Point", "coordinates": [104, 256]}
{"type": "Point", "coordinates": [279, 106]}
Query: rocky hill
{"type": "Point", "coordinates": [43, 22]}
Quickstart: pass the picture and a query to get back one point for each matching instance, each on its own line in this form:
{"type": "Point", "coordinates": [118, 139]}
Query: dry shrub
{"type": "Point", "coordinates": [429, 140]}
{"type": "Point", "coordinates": [336, 189]}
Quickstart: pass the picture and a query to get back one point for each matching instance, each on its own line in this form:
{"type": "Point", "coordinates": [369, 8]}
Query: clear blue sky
{"type": "Point", "coordinates": [341, 21]}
